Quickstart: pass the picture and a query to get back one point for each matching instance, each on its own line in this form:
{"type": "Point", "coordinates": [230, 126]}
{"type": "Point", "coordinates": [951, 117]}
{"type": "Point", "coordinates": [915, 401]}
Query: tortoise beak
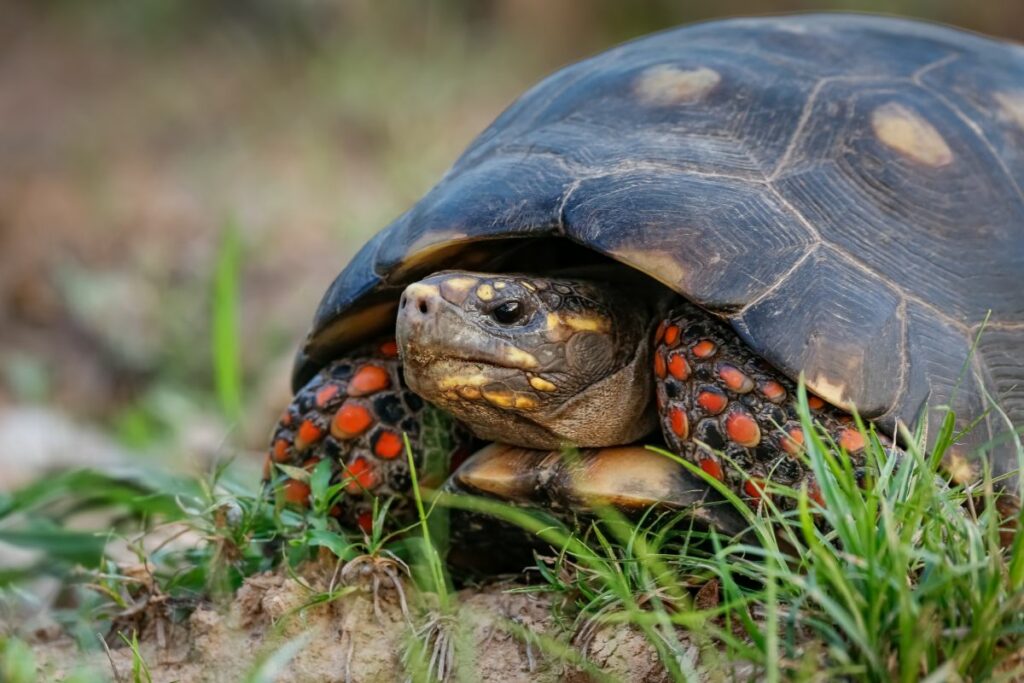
{"type": "Point", "coordinates": [424, 322]}
{"type": "Point", "coordinates": [628, 478]}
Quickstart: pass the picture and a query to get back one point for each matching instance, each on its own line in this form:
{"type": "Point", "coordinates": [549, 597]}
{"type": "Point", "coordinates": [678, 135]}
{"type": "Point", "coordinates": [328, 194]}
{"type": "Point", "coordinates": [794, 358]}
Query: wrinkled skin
{"type": "Point", "coordinates": [536, 362]}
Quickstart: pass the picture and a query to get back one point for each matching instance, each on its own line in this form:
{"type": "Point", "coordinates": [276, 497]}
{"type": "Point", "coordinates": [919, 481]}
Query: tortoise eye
{"type": "Point", "coordinates": [508, 312]}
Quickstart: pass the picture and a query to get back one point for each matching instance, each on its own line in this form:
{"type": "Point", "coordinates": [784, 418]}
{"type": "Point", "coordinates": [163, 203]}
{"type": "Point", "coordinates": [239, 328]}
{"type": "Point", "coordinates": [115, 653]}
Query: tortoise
{"type": "Point", "coordinates": [669, 234]}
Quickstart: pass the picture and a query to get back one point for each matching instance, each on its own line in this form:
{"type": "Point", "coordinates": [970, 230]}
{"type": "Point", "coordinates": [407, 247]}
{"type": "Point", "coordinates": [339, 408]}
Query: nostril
{"type": "Point", "coordinates": [423, 306]}
{"type": "Point", "coordinates": [402, 301]}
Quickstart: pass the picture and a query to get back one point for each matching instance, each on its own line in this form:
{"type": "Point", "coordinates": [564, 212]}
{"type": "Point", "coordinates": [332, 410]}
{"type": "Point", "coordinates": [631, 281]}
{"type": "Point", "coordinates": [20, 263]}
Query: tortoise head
{"type": "Point", "coordinates": [530, 361]}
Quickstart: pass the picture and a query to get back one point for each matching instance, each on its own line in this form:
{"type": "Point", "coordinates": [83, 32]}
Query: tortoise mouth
{"type": "Point", "coordinates": [413, 354]}
{"type": "Point", "coordinates": [455, 376]}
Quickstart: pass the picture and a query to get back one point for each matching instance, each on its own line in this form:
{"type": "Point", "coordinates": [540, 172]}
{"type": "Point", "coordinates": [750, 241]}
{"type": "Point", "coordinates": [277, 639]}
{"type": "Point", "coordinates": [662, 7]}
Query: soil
{"type": "Point", "coordinates": [350, 640]}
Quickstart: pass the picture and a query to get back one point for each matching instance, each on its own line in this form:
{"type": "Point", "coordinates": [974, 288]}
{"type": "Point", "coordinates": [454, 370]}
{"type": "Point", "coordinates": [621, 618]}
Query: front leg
{"type": "Point", "coordinates": [728, 411]}
{"type": "Point", "coordinates": [354, 412]}
{"type": "Point", "coordinates": [630, 479]}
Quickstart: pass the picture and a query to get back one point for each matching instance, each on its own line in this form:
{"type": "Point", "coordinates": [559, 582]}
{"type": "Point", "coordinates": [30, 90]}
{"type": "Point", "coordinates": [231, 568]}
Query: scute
{"type": "Point", "coordinates": [840, 326]}
{"type": "Point", "coordinates": [986, 90]}
{"type": "Point", "coordinates": [846, 190]}
{"type": "Point", "coordinates": [1000, 350]}
{"type": "Point", "coordinates": [501, 197]}
{"type": "Point", "coordinates": [879, 201]}
{"type": "Point", "coordinates": [942, 359]}
{"type": "Point", "coordinates": [724, 246]}
{"type": "Point", "coordinates": [730, 130]}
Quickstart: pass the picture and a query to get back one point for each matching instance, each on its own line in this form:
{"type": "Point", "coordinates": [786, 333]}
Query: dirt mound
{"type": "Point", "coordinates": [313, 627]}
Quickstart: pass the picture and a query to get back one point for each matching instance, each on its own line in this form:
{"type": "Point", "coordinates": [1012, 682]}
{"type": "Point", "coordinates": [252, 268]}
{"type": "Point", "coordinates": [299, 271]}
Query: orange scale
{"type": "Point", "coordinates": [743, 429]}
{"type": "Point", "coordinates": [659, 365]}
{"type": "Point", "coordinates": [679, 422]}
{"type": "Point", "coordinates": [365, 522]}
{"type": "Point", "coordinates": [659, 334]}
{"type": "Point", "coordinates": [678, 366]}
{"type": "Point", "coordinates": [308, 435]}
{"type": "Point", "coordinates": [815, 403]}
{"type": "Point", "coordinates": [705, 348]}
{"type": "Point", "coordinates": [671, 335]}
{"type": "Point", "coordinates": [369, 379]}
{"type": "Point", "coordinates": [851, 440]}
{"type": "Point", "coordinates": [388, 445]}
{"type": "Point", "coordinates": [350, 421]}
{"type": "Point", "coordinates": [286, 419]}
{"type": "Point", "coordinates": [361, 476]}
{"type": "Point", "coordinates": [814, 493]}
{"type": "Point", "coordinates": [296, 492]}
{"type": "Point", "coordinates": [280, 452]}
{"type": "Point", "coordinates": [325, 394]}
{"type": "Point", "coordinates": [734, 379]}
{"type": "Point", "coordinates": [389, 349]}
{"type": "Point", "coordinates": [793, 442]}
{"type": "Point", "coordinates": [713, 468]}
{"type": "Point", "coordinates": [773, 391]}
{"type": "Point", "coordinates": [712, 402]}
{"type": "Point", "coordinates": [755, 488]}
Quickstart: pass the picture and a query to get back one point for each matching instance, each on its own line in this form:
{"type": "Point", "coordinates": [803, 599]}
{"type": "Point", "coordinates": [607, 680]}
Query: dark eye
{"type": "Point", "coordinates": [508, 312]}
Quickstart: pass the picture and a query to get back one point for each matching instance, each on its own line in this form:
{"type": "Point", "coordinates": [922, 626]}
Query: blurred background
{"type": "Point", "coordinates": [181, 179]}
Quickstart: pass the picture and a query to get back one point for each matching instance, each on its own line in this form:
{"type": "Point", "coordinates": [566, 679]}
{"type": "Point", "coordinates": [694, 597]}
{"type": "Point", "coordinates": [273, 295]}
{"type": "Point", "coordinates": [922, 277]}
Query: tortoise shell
{"type": "Point", "coordinates": [845, 190]}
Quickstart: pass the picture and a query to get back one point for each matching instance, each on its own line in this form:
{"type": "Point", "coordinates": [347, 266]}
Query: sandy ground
{"type": "Point", "coordinates": [349, 639]}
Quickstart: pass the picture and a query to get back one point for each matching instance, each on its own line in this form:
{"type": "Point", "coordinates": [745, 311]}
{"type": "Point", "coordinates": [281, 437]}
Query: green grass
{"type": "Point", "coordinates": [899, 579]}
{"type": "Point", "coordinates": [224, 330]}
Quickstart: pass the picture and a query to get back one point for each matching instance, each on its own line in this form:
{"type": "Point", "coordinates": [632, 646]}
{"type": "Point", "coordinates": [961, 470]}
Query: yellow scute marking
{"type": "Point", "coordinates": [1011, 107]}
{"type": "Point", "coordinates": [666, 84]}
{"type": "Point", "coordinates": [659, 265]}
{"type": "Point", "coordinates": [455, 289]}
{"type": "Point", "coordinates": [457, 381]}
{"type": "Point", "coordinates": [503, 398]}
{"type": "Point", "coordinates": [469, 392]}
{"type": "Point", "coordinates": [524, 401]}
{"type": "Point", "coordinates": [959, 468]}
{"type": "Point", "coordinates": [432, 248]}
{"type": "Point", "coordinates": [541, 384]}
{"type": "Point", "coordinates": [910, 134]}
{"type": "Point", "coordinates": [518, 358]}
{"type": "Point", "coordinates": [578, 323]}
{"type": "Point", "coordinates": [485, 292]}
{"type": "Point", "coordinates": [832, 391]}
{"type": "Point", "coordinates": [582, 323]}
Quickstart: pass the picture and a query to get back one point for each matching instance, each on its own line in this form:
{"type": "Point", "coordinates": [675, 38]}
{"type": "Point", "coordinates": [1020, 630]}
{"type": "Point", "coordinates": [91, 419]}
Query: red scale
{"type": "Point", "coordinates": [337, 419]}
{"type": "Point", "coordinates": [717, 392]}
